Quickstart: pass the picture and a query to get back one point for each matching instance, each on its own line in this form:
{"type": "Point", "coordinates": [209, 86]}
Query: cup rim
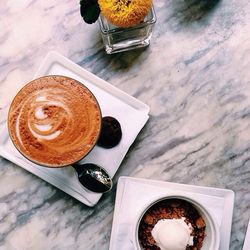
{"type": "Point", "coordinates": [50, 165]}
{"type": "Point", "coordinates": [197, 205]}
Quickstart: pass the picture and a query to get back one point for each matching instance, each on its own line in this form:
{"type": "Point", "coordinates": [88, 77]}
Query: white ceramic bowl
{"type": "Point", "coordinates": [212, 239]}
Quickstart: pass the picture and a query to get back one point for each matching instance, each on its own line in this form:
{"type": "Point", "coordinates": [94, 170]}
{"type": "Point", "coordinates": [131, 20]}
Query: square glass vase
{"type": "Point", "coordinates": [117, 39]}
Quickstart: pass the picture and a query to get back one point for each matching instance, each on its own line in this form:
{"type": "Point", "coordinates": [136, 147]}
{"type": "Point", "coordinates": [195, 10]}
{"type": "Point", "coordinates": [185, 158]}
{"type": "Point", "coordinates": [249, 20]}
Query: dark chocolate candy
{"type": "Point", "coordinates": [111, 132]}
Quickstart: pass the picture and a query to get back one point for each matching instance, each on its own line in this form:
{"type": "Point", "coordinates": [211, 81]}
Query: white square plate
{"type": "Point", "coordinates": [133, 193]}
{"type": "Point", "coordinates": [113, 102]}
{"type": "Point", "coordinates": [247, 238]}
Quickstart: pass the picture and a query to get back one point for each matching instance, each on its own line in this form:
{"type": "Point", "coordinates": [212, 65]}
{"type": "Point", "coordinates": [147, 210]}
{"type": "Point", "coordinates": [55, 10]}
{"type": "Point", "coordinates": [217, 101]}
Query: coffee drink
{"type": "Point", "coordinates": [54, 121]}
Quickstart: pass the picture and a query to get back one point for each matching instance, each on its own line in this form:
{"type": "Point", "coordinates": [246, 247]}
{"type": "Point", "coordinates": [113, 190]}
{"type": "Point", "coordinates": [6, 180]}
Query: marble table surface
{"type": "Point", "coordinates": [194, 76]}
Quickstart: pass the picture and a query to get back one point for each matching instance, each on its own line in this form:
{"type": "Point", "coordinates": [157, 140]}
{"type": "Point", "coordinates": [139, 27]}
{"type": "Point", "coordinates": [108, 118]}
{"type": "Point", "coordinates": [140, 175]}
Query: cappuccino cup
{"type": "Point", "coordinates": [54, 121]}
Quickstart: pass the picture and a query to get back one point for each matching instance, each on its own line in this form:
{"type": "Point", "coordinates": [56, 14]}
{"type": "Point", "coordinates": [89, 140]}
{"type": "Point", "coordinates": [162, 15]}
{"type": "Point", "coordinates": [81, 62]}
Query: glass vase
{"type": "Point", "coordinates": [116, 39]}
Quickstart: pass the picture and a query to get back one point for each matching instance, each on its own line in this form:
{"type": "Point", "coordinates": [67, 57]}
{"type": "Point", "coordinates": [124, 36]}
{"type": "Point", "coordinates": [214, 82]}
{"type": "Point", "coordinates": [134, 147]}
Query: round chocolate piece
{"type": "Point", "coordinates": [111, 133]}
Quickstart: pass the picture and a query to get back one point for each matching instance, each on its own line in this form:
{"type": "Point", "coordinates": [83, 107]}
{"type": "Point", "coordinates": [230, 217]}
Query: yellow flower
{"type": "Point", "coordinates": [125, 13]}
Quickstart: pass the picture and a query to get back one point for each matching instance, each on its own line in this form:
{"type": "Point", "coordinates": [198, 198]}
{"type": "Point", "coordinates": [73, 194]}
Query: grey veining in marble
{"type": "Point", "coordinates": [194, 76]}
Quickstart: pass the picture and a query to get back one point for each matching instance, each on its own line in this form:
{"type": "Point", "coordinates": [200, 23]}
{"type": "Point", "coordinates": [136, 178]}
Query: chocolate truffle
{"type": "Point", "coordinates": [111, 132]}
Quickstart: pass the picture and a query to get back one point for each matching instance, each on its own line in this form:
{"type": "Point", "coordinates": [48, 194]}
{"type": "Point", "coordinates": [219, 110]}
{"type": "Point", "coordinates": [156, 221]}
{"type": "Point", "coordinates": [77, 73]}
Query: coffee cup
{"type": "Point", "coordinates": [54, 121]}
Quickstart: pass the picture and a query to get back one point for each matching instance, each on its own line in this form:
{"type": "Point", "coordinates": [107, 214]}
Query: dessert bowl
{"type": "Point", "coordinates": [211, 229]}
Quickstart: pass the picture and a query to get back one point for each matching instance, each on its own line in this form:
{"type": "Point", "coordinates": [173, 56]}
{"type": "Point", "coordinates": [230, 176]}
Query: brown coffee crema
{"type": "Point", "coordinates": [54, 121]}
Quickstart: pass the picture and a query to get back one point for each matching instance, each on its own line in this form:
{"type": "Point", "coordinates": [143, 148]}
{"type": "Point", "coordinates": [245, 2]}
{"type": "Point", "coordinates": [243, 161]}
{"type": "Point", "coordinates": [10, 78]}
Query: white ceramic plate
{"type": "Point", "coordinates": [133, 194]}
{"type": "Point", "coordinates": [247, 238]}
{"type": "Point", "coordinates": [113, 102]}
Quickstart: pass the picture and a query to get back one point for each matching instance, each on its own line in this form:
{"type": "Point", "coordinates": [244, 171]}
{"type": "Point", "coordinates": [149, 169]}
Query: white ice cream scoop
{"type": "Point", "coordinates": [172, 234]}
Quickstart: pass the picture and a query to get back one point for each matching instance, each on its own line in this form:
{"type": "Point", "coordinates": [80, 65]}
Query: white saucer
{"type": "Point", "coordinates": [134, 193]}
{"type": "Point", "coordinates": [113, 102]}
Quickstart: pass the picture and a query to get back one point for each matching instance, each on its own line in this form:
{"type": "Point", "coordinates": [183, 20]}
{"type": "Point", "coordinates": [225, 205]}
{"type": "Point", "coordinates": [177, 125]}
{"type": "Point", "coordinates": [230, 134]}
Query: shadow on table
{"type": "Point", "coordinates": [123, 61]}
{"type": "Point", "coordinates": [194, 10]}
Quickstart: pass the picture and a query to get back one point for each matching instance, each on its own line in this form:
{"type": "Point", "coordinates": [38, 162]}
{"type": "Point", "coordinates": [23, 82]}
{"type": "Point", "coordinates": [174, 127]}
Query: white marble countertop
{"type": "Point", "coordinates": [195, 78]}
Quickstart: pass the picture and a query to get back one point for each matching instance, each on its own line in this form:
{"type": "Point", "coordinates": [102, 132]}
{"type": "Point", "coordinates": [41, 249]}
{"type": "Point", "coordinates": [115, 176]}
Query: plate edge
{"type": "Point", "coordinates": [54, 56]}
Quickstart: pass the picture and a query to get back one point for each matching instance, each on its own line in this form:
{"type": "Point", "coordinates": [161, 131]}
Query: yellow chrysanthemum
{"type": "Point", "coordinates": [125, 13]}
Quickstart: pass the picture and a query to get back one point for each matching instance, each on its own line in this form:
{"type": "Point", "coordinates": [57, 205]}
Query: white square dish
{"type": "Point", "coordinates": [134, 193]}
{"type": "Point", "coordinates": [113, 102]}
{"type": "Point", "coordinates": [246, 245]}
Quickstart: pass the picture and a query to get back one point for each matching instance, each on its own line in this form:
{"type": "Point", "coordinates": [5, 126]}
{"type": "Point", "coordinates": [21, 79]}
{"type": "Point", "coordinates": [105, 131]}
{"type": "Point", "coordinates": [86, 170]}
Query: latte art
{"type": "Point", "coordinates": [46, 118]}
{"type": "Point", "coordinates": [54, 121]}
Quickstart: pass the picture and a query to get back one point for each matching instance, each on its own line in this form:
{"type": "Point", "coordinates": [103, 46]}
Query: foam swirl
{"type": "Point", "coordinates": [54, 121]}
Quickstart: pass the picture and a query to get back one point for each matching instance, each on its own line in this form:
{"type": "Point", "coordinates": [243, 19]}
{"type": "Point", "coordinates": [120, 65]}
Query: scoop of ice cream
{"type": "Point", "coordinates": [172, 234]}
